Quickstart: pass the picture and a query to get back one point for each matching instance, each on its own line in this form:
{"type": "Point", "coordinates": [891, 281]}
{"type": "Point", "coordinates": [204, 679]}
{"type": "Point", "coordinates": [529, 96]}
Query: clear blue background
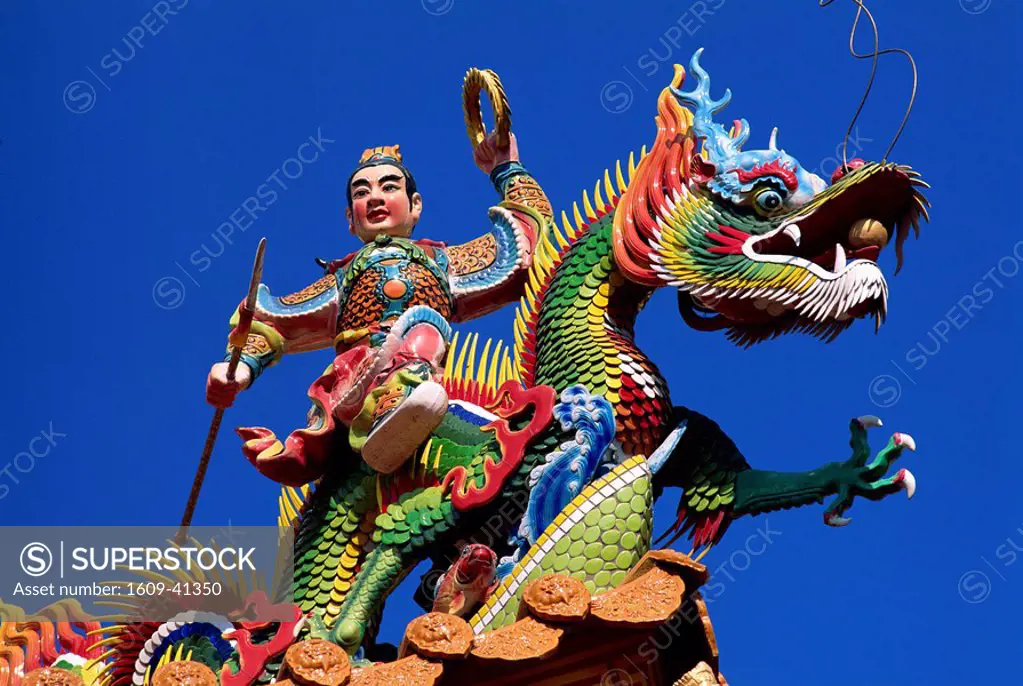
{"type": "Point", "coordinates": [98, 206]}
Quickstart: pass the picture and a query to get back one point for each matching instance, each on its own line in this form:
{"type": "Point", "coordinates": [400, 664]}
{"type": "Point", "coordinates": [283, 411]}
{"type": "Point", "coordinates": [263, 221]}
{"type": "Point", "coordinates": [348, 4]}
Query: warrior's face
{"type": "Point", "coordinates": [381, 203]}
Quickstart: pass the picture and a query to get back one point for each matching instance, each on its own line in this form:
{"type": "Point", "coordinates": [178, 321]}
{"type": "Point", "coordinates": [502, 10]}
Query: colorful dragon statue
{"type": "Point", "coordinates": [755, 244]}
{"type": "Point", "coordinates": [552, 453]}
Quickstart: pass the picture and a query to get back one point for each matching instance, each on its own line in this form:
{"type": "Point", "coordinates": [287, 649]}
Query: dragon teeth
{"type": "Point", "coordinates": [839, 258]}
{"type": "Point", "coordinates": [793, 232]}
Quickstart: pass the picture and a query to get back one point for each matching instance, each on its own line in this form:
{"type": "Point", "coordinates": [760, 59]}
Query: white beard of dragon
{"type": "Point", "coordinates": [832, 293]}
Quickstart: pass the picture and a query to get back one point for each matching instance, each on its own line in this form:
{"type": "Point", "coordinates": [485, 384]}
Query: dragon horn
{"type": "Point", "coordinates": [718, 144]}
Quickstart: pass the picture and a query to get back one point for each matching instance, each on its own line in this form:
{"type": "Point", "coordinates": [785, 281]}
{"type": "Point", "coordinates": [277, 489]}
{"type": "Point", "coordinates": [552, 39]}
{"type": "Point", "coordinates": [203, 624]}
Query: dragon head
{"type": "Point", "coordinates": [756, 243]}
{"type": "Point", "coordinates": [476, 565]}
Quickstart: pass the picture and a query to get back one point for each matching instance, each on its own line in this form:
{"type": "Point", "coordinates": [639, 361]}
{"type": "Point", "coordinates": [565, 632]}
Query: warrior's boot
{"type": "Point", "coordinates": [399, 414]}
{"type": "Point", "coordinates": [403, 418]}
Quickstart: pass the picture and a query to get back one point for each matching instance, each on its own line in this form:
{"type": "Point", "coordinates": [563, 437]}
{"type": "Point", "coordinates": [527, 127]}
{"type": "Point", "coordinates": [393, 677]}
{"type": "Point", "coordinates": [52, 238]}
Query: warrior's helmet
{"type": "Point", "coordinates": [380, 155]}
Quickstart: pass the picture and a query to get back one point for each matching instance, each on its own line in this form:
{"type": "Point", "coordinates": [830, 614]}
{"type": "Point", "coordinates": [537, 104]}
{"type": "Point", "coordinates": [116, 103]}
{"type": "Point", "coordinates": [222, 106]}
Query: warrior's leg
{"type": "Point", "coordinates": [336, 396]}
{"type": "Point", "coordinates": [408, 404]}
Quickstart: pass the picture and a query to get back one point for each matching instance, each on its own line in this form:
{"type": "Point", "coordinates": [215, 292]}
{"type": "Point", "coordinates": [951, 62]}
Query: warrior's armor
{"type": "Point", "coordinates": [386, 278]}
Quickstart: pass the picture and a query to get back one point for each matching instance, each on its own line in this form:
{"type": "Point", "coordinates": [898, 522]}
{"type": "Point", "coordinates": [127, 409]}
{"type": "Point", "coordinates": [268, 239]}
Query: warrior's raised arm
{"type": "Point", "coordinates": [490, 271]}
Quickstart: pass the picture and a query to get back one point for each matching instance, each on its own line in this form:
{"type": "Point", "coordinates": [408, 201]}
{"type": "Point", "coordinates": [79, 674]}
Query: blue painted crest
{"type": "Point", "coordinates": [733, 167]}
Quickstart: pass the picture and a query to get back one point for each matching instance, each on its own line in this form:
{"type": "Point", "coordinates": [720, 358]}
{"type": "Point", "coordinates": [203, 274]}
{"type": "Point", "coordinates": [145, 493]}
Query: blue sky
{"type": "Point", "coordinates": [115, 172]}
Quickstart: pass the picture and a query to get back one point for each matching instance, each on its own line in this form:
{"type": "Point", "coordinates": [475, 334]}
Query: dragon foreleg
{"type": "Point", "coordinates": [719, 485]}
{"type": "Point", "coordinates": [761, 491]}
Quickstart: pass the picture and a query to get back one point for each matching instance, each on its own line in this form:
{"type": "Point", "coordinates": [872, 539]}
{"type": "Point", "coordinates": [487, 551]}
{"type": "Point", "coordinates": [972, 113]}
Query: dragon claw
{"type": "Point", "coordinates": [869, 421]}
{"type": "Point", "coordinates": [832, 519]}
{"type": "Point", "coordinates": [907, 481]}
{"type": "Point", "coordinates": [905, 440]}
{"type": "Point", "coordinates": [891, 452]}
{"type": "Point", "coordinates": [317, 628]}
{"type": "Point", "coordinates": [865, 477]}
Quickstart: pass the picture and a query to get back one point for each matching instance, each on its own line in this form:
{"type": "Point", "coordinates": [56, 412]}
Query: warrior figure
{"type": "Point", "coordinates": [386, 309]}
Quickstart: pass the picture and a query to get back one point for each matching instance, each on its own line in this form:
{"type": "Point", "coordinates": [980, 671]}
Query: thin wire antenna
{"type": "Point", "coordinates": [861, 9]}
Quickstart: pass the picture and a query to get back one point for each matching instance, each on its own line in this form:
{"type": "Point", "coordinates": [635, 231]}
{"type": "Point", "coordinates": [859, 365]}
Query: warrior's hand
{"type": "Point", "coordinates": [220, 391]}
{"type": "Point", "coordinates": [488, 155]}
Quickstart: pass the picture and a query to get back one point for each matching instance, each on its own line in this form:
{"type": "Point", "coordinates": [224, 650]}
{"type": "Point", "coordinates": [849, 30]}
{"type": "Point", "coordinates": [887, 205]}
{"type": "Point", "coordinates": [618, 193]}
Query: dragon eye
{"type": "Point", "coordinates": [767, 201]}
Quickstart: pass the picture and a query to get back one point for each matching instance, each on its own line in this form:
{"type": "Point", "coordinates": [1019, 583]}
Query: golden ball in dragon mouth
{"type": "Point", "coordinates": [867, 232]}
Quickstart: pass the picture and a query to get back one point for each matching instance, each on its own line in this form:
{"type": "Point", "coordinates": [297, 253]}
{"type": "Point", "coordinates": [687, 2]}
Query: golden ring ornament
{"type": "Point", "coordinates": [477, 81]}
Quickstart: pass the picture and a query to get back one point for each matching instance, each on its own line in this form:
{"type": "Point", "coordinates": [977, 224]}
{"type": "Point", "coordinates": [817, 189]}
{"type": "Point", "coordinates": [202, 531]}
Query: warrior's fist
{"type": "Point", "coordinates": [488, 155]}
{"type": "Point", "coordinates": [220, 392]}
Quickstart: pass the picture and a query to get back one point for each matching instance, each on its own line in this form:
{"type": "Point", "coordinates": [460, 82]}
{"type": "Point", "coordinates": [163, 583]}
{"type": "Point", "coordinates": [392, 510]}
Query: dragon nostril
{"type": "Point", "coordinates": [846, 168]}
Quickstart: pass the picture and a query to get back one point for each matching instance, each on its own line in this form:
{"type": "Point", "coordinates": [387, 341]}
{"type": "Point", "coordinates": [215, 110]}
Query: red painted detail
{"type": "Point", "coordinates": [708, 528]}
{"type": "Point", "coordinates": [734, 233]}
{"type": "Point", "coordinates": [730, 238]}
{"type": "Point", "coordinates": [772, 168]}
{"type": "Point", "coordinates": [841, 171]}
{"type": "Point", "coordinates": [701, 170]}
{"type": "Point", "coordinates": [512, 400]}
{"type": "Point", "coordinates": [306, 451]}
{"type": "Point", "coordinates": [252, 658]}
{"type": "Point", "coordinates": [730, 249]}
{"type": "Point", "coordinates": [472, 391]}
